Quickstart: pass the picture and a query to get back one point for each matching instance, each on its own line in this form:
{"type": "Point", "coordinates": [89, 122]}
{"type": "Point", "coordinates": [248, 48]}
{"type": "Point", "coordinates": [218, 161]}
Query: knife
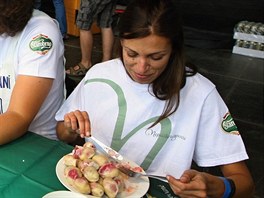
{"type": "Point", "coordinates": [117, 157]}
{"type": "Point", "coordinates": [105, 149]}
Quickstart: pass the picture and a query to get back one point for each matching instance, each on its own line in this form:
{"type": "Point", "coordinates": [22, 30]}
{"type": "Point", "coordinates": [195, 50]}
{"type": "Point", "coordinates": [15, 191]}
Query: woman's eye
{"type": "Point", "coordinates": [131, 54]}
{"type": "Point", "coordinates": [156, 57]}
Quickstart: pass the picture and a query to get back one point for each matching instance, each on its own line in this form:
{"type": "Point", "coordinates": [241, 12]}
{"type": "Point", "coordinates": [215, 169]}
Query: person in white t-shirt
{"type": "Point", "coordinates": [156, 110]}
{"type": "Point", "coordinates": [31, 71]}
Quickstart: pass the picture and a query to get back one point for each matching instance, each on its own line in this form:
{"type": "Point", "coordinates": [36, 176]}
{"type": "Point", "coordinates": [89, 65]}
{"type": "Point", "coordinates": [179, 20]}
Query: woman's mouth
{"type": "Point", "coordinates": [141, 75]}
{"type": "Point", "coordinates": [141, 78]}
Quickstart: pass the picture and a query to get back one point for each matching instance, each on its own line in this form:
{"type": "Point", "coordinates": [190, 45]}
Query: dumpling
{"type": "Point", "coordinates": [97, 189]}
{"type": "Point", "coordinates": [91, 174]}
{"type": "Point", "coordinates": [108, 170]}
{"type": "Point", "coordinates": [69, 160]}
{"type": "Point", "coordinates": [110, 187]}
{"type": "Point", "coordinates": [71, 173]}
{"type": "Point", "coordinates": [82, 185]}
{"type": "Point", "coordinates": [89, 145]}
{"type": "Point", "coordinates": [87, 153]}
{"type": "Point", "coordinates": [100, 159]}
{"type": "Point", "coordinates": [82, 164]}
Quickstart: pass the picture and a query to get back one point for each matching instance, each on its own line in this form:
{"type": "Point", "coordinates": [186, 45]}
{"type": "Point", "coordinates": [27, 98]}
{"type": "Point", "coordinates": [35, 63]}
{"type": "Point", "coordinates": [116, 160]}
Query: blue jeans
{"type": "Point", "coordinates": [60, 15]}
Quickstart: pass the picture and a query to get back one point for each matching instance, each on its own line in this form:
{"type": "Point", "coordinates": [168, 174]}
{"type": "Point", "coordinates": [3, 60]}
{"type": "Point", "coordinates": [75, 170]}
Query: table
{"type": "Point", "coordinates": [27, 168]}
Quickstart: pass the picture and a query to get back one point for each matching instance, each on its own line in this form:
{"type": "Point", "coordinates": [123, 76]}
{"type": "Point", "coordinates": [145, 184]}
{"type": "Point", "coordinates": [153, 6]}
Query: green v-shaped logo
{"type": "Point", "coordinates": [117, 141]}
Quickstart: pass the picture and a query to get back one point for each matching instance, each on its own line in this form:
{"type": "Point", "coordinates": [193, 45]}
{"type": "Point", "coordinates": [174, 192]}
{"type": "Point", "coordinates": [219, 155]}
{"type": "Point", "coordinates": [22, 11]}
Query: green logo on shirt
{"type": "Point", "coordinates": [228, 124]}
{"type": "Point", "coordinates": [41, 44]}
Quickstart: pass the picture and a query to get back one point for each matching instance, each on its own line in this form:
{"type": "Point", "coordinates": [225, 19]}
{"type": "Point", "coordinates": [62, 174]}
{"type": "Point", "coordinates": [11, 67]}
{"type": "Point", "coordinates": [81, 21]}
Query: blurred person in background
{"type": "Point", "coordinates": [60, 15]}
{"type": "Point", "coordinates": [102, 12]}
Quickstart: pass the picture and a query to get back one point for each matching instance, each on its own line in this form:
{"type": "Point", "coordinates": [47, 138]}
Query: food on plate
{"type": "Point", "coordinates": [89, 162]}
{"type": "Point", "coordinates": [71, 173]}
{"type": "Point", "coordinates": [70, 160]}
{"type": "Point", "coordinates": [121, 181]}
{"type": "Point", "coordinates": [87, 153]}
{"type": "Point", "coordinates": [110, 187]}
{"type": "Point", "coordinates": [82, 185]}
{"type": "Point", "coordinates": [90, 172]}
{"type": "Point", "coordinates": [97, 189]}
{"type": "Point", "coordinates": [100, 159]}
{"type": "Point", "coordinates": [108, 170]}
{"type": "Point", "coordinates": [89, 145]}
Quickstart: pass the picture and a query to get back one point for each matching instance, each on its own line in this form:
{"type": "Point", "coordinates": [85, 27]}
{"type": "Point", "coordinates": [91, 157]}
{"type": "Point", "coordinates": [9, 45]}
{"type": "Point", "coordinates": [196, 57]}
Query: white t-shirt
{"type": "Point", "coordinates": [38, 51]}
{"type": "Point", "coordinates": [121, 110]}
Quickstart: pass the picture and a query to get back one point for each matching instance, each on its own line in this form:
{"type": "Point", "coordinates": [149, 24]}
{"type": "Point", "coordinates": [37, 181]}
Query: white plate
{"type": "Point", "coordinates": [140, 185]}
{"type": "Point", "coordinates": [65, 194]}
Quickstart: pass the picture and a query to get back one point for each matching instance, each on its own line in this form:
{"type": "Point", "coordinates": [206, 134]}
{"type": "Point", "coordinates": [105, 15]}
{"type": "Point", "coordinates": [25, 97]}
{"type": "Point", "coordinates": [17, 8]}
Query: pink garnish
{"type": "Point", "coordinates": [113, 187]}
{"type": "Point", "coordinates": [73, 173]}
{"type": "Point", "coordinates": [137, 169]}
{"type": "Point", "coordinates": [106, 167]}
{"type": "Point", "coordinates": [77, 151]}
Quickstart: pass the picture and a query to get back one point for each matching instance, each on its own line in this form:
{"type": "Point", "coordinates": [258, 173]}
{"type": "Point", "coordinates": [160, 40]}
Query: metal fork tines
{"type": "Point", "coordinates": [134, 174]}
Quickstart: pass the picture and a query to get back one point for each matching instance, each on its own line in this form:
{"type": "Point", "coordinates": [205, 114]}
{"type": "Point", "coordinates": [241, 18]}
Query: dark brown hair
{"type": "Point", "coordinates": [160, 17]}
{"type": "Point", "coordinates": [14, 15]}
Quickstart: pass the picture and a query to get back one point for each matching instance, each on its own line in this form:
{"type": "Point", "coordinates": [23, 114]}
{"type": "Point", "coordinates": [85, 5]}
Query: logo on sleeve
{"type": "Point", "coordinates": [228, 124]}
{"type": "Point", "coordinates": [41, 44]}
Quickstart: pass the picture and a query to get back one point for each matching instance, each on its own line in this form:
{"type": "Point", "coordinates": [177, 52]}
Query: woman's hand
{"type": "Point", "coordinates": [201, 184]}
{"type": "Point", "coordinates": [191, 184]}
{"type": "Point", "coordinates": [77, 122]}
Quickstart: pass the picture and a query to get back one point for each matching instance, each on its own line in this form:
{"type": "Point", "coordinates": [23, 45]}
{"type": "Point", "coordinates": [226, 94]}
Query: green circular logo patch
{"type": "Point", "coordinates": [228, 124]}
{"type": "Point", "coordinates": [41, 44]}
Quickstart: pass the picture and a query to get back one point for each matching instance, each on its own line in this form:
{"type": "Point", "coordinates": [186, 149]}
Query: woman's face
{"type": "Point", "coordinates": [146, 58]}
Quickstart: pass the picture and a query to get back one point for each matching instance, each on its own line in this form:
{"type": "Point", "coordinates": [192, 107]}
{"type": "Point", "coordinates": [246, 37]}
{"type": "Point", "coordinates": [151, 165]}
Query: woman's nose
{"type": "Point", "coordinates": [142, 63]}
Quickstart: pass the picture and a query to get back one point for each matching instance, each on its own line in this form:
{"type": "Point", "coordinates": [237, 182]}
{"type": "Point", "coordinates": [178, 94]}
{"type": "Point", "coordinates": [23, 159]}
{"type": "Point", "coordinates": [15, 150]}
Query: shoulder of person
{"type": "Point", "coordinates": [199, 83]}
{"type": "Point", "coordinates": [42, 29]}
{"type": "Point", "coordinates": [41, 20]}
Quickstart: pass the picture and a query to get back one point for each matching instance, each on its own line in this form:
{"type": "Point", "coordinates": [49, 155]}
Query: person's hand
{"type": "Point", "coordinates": [77, 122]}
{"type": "Point", "coordinates": [191, 184]}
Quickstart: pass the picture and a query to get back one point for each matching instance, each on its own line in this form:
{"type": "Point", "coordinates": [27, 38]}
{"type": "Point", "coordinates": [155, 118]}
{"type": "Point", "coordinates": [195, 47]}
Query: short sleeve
{"type": "Point", "coordinates": [40, 48]}
{"type": "Point", "coordinates": [217, 144]}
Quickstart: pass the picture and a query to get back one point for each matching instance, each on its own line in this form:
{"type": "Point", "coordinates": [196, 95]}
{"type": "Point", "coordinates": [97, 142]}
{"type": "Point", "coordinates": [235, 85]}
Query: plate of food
{"type": "Point", "coordinates": [87, 171]}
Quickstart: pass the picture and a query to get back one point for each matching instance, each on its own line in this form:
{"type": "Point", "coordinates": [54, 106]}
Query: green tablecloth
{"type": "Point", "coordinates": [27, 169]}
{"type": "Point", "coordinates": [27, 166]}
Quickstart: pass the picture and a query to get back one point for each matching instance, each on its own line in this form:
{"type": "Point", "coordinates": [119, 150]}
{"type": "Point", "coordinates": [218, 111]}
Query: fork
{"type": "Point", "coordinates": [134, 174]}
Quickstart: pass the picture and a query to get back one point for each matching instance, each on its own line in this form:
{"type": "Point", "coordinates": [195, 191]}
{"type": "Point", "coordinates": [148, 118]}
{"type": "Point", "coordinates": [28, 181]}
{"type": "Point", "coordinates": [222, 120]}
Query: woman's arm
{"type": "Point", "coordinates": [27, 97]}
{"type": "Point", "coordinates": [199, 184]}
{"type": "Point", "coordinates": [242, 178]}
